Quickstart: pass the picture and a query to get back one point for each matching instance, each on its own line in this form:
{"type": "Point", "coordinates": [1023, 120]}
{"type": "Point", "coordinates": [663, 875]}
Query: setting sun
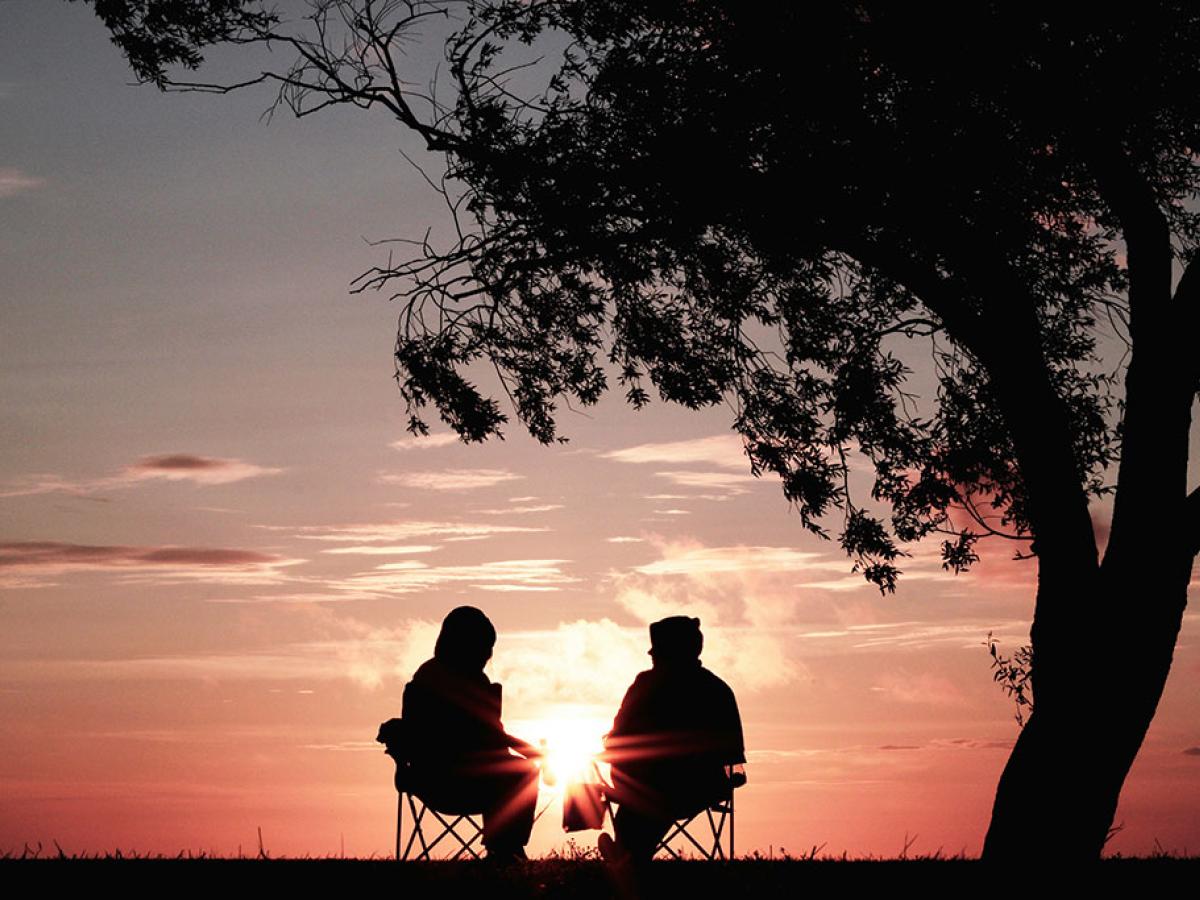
{"type": "Point", "coordinates": [572, 742]}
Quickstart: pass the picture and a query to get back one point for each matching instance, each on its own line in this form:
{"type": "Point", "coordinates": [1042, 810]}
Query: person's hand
{"type": "Point", "coordinates": [526, 749]}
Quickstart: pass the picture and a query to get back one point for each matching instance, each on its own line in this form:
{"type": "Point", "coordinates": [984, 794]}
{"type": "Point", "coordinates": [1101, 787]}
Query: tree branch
{"type": "Point", "coordinates": [1005, 338]}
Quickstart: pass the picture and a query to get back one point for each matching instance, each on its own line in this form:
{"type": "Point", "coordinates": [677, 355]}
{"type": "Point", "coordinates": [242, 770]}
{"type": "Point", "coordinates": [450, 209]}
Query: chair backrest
{"type": "Point", "coordinates": [393, 734]}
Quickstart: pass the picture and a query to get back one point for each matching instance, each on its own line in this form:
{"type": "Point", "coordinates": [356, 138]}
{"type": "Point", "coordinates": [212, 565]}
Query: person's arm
{"type": "Point", "coordinates": [618, 740]}
{"type": "Point", "coordinates": [526, 749]}
{"type": "Point", "coordinates": [735, 744]}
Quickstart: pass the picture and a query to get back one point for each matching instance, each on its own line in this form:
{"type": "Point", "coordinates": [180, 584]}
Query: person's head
{"type": "Point", "coordinates": [676, 639]}
{"type": "Point", "coordinates": [466, 639]}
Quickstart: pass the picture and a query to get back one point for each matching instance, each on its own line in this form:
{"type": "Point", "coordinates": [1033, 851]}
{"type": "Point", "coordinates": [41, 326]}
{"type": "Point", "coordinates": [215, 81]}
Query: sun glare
{"type": "Point", "coordinates": [571, 743]}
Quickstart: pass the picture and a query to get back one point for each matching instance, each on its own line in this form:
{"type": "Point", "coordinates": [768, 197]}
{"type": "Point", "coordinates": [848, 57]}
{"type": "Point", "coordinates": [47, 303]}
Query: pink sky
{"type": "Point", "coordinates": [221, 556]}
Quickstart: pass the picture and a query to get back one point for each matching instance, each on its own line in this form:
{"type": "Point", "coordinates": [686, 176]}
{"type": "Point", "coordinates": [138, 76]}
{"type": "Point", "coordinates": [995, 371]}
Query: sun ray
{"type": "Point", "coordinates": [572, 739]}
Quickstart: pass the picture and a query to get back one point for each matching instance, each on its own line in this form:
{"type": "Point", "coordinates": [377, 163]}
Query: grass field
{"type": "Point", "coordinates": [584, 878]}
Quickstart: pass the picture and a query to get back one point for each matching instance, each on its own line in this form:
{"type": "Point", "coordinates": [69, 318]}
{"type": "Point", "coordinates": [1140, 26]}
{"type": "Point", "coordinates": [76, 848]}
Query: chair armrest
{"type": "Point", "coordinates": [392, 736]}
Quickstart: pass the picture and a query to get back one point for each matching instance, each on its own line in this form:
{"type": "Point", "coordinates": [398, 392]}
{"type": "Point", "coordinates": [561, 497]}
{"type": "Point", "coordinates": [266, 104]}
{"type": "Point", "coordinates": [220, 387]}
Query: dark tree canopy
{"type": "Point", "coordinates": [750, 202]}
{"type": "Point", "coordinates": [768, 205]}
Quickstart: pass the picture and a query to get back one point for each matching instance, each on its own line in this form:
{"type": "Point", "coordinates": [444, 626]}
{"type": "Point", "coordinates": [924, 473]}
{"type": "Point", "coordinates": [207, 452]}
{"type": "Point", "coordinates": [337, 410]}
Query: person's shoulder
{"type": "Point", "coordinates": [641, 682]}
{"type": "Point", "coordinates": [715, 682]}
{"type": "Point", "coordinates": [435, 672]}
{"type": "Point", "coordinates": [429, 669]}
{"type": "Point", "coordinates": [647, 678]}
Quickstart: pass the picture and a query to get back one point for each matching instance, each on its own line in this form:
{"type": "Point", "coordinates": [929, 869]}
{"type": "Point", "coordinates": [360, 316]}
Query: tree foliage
{"type": "Point", "coordinates": [760, 205]}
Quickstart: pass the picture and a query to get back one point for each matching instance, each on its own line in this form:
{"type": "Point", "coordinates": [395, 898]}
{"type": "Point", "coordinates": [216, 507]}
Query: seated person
{"type": "Point", "coordinates": [459, 757]}
{"type": "Point", "coordinates": [677, 730]}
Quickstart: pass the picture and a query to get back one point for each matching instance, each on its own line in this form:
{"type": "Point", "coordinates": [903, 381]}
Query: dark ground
{"type": "Point", "coordinates": [369, 879]}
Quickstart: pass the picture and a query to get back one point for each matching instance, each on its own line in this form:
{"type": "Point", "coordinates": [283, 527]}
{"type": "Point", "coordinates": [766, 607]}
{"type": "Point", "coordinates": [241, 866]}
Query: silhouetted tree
{"type": "Point", "coordinates": [760, 203]}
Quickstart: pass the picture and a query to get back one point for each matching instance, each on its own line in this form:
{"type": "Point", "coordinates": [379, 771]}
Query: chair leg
{"type": "Point", "coordinates": [448, 828]}
{"type": "Point", "coordinates": [467, 844]}
{"type": "Point", "coordinates": [680, 828]}
{"type": "Point", "coordinates": [416, 837]}
{"type": "Point", "coordinates": [707, 854]}
{"type": "Point", "coordinates": [400, 821]}
{"type": "Point", "coordinates": [715, 826]}
{"type": "Point", "coordinates": [720, 825]}
{"type": "Point", "coordinates": [417, 833]}
{"type": "Point", "coordinates": [731, 853]}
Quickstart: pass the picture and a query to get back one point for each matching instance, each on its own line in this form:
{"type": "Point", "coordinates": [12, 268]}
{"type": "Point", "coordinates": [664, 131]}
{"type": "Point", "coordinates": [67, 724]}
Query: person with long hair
{"type": "Point", "coordinates": [461, 760]}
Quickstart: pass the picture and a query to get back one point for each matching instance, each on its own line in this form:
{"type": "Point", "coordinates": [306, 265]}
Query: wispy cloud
{"type": "Point", "coordinates": [13, 181]}
{"type": "Point", "coordinates": [38, 554]}
{"type": "Point", "coordinates": [924, 635]}
{"type": "Point", "coordinates": [203, 470]}
{"type": "Point", "coordinates": [355, 651]}
{"type": "Point", "coordinates": [743, 596]}
{"type": "Point", "coordinates": [520, 510]}
{"type": "Point", "coordinates": [298, 598]}
{"type": "Point", "coordinates": [535, 575]}
{"type": "Point", "coordinates": [723, 450]}
{"type": "Point", "coordinates": [395, 532]}
{"type": "Point", "coordinates": [452, 479]}
{"type": "Point", "coordinates": [731, 478]}
{"type": "Point", "coordinates": [200, 469]}
{"type": "Point", "coordinates": [695, 560]}
{"type": "Point", "coordinates": [428, 442]}
{"type": "Point", "coordinates": [925, 688]}
{"type": "Point", "coordinates": [384, 550]}
{"type": "Point", "coordinates": [729, 482]}
{"type": "Point", "coordinates": [48, 558]}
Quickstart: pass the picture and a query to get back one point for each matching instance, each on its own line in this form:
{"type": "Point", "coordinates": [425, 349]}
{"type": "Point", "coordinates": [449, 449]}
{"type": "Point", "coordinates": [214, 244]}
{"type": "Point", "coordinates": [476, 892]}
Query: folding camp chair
{"type": "Point", "coordinates": [466, 829]}
{"type": "Point", "coordinates": [714, 843]}
{"type": "Point", "coordinates": [470, 823]}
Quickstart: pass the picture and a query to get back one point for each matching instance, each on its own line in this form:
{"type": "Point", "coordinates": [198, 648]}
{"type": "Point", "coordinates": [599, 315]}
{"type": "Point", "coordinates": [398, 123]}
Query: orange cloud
{"type": "Point", "coordinates": [386, 550]}
{"type": "Point", "coordinates": [919, 687]}
{"type": "Point", "coordinates": [452, 479]}
{"type": "Point", "coordinates": [743, 597]}
{"type": "Point", "coordinates": [390, 532]}
{"type": "Point", "coordinates": [205, 470]}
{"type": "Point", "coordinates": [724, 450]}
{"type": "Point", "coordinates": [427, 442]}
{"type": "Point", "coordinates": [39, 554]}
{"type": "Point", "coordinates": [200, 469]}
{"type": "Point", "coordinates": [729, 483]}
{"type": "Point", "coordinates": [520, 510]}
{"type": "Point", "coordinates": [500, 575]}
{"type": "Point", "coordinates": [31, 562]}
{"type": "Point", "coordinates": [14, 181]}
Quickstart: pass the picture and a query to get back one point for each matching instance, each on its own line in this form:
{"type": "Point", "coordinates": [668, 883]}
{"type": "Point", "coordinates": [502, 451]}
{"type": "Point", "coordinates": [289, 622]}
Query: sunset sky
{"type": "Point", "coordinates": [222, 556]}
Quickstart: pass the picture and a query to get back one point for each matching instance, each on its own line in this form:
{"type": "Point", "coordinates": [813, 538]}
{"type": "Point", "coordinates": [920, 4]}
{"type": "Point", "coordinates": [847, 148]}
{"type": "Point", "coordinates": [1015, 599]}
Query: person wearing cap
{"type": "Point", "coordinates": [677, 730]}
{"type": "Point", "coordinates": [459, 755]}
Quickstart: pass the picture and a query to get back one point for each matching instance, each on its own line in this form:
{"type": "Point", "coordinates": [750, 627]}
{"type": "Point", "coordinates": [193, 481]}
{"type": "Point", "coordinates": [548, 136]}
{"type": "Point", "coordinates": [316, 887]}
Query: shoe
{"type": "Point", "coordinates": [620, 867]}
{"type": "Point", "coordinates": [610, 850]}
{"type": "Point", "coordinates": [506, 856]}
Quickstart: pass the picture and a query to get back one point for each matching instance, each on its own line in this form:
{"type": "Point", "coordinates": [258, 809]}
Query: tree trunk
{"type": "Point", "coordinates": [1096, 688]}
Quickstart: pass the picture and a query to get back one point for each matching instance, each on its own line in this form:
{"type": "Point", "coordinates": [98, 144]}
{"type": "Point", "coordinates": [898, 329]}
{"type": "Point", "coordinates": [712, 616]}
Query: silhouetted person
{"type": "Point", "coordinates": [457, 751]}
{"type": "Point", "coordinates": [677, 730]}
